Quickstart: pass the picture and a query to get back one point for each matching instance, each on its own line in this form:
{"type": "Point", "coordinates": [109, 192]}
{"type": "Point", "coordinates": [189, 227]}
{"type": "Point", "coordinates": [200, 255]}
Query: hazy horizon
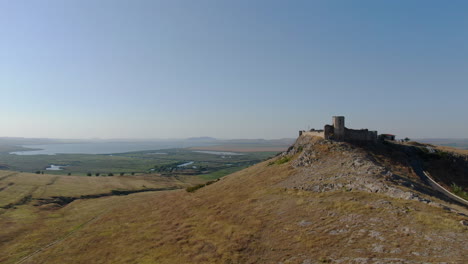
{"type": "Point", "coordinates": [115, 69]}
{"type": "Point", "coordinates": [187, 138]}
{"type": "Point", "coordinates": [196, 137]}
{"type": "Point", "coordinates": [201, 138]}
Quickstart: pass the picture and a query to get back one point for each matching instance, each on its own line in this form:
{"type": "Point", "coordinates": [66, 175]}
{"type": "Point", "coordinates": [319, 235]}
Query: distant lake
{"type": "Point", "coordinates": [55, 167]}
{"type": "Point", "coordinates": [185, 164]}
{"type": "Point", "coordinates": [221, 153]}
{"type": "Point", "coordinates": [104, 147]}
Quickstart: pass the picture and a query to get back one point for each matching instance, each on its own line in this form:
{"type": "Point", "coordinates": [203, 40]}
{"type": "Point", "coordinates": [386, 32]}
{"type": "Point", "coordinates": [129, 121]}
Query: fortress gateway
{"type": "Point", "coordinates": [339, 132]}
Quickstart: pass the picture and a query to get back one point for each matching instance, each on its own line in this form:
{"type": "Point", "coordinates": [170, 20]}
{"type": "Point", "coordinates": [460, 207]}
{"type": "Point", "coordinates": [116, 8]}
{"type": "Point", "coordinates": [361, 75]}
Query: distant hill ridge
{"type": "Point", "coordinates": [201, 138]}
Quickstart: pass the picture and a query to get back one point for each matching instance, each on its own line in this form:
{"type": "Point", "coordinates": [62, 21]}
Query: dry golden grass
{"type": "Point", "coordinates": [19, 185]}
{"type": "Point", "coordinates": [441, 148]}
{"type": "Point", "coordinates": [453, 150]}
{"type": "Point", "coordinates": [236, 221]}
{"type": "Point", "coordinates": [243, 218]}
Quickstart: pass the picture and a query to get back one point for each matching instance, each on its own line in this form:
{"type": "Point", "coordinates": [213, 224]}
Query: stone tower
{"type": "Point", "coordinates": [338, 128]}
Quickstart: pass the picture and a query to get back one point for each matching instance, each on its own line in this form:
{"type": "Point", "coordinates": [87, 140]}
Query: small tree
{"type": "Point", "coordinates": [97, 174]}
{"type": "Point", "coordinates": [133, 173]}
{"type": "Point", "coordinates": [88, 174]}
{"type": "Point", "coordinates": [110, 174]}
{"type": "Point", "coordinates": [38, 172]}
{"type": "Point", "coordinates": [122, 174]}
{"type": "Point", "coordinates": [69, 174]}
{"type": "Point", "coordinates": [406, 139]}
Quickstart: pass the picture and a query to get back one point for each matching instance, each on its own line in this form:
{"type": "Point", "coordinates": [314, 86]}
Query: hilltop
{"type": "Point", "coordinates": [320, 201]}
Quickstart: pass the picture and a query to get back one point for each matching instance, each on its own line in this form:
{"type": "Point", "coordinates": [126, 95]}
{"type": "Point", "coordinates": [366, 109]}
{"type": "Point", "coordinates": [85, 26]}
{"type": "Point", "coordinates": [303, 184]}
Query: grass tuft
{"type": "Point", "coordinates": [280, 161]}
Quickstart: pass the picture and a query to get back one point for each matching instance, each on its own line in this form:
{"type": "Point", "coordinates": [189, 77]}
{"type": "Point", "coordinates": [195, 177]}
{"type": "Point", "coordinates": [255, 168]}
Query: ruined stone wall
{"type": "Point", "coordinates": [315, 133]}
{"type": "Point", "coordinates": [372, 136]}
{"type": "Point", "coordinates": [339, 132]}
{"type": "Point", "coordinates": [328, 131]}
{"type": "Point", "coordinates": [360, 135]}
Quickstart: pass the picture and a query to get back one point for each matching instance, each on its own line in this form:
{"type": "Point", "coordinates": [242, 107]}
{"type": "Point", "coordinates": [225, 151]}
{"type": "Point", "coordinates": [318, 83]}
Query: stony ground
{"type": "Point", "coordinates": [326, 166]}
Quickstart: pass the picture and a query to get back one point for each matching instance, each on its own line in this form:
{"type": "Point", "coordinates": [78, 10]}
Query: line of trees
{"type": "Point", "coordinates": [97, 174]}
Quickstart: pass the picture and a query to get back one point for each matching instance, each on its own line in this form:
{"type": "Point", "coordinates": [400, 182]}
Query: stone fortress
{"type": "Point", "coordinates": [339, 132]}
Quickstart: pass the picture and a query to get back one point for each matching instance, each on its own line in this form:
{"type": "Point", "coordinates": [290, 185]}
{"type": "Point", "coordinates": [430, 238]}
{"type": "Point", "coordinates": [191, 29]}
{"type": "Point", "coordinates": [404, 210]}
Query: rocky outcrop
{"type": "Point", "coordinates": [327, 166]}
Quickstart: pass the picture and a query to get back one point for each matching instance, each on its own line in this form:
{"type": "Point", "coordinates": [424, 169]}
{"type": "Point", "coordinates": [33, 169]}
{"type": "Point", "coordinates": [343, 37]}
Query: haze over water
{"type": "Point", "coordinates": [104, 147]}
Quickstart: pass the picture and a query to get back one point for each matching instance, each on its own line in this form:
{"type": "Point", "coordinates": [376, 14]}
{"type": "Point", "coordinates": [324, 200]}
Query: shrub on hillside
{"type": "Point", "coordinates": [198, 186]}
{"type": "Point", "coordinates": [194, 188]}
{"type": "Point", "coordinates": [458, 190]}
{"type": "Point", "coordinates": [280, 161]}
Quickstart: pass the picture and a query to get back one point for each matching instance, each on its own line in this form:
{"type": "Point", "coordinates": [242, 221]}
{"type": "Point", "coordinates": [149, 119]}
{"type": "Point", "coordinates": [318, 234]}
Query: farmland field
{"type": "Point", "coordinates": [39, 207]}
{"type": "Point", "coordinates": [168, 161]}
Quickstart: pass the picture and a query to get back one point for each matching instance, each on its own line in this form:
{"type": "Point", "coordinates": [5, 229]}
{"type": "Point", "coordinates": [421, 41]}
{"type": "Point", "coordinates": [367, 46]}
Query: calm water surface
{"type": "Point", "coordinates": [104, 148]}
{"type": "Point", "coordinates": [221, 153]}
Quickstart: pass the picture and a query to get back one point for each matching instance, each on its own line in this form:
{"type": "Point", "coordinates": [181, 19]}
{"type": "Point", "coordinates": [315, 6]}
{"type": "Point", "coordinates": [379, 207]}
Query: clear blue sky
{"type": "Point", "coordinates": [231, 69]}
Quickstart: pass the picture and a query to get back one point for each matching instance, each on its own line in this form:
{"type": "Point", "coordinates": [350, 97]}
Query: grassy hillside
{"type": "Point", "coordinates": [458, 143]}
{"type": "Point", "coordinates": [20, 188]}
{"type": "Point", "coordinates": [323, 202]}
{"type": "Point", "coordinates": [35, 209]}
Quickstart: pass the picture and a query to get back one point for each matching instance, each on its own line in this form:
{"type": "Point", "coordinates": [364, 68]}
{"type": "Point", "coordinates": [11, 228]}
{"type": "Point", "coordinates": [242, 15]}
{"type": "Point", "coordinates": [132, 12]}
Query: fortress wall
{"type": "Point", "coordinates": [360, 135]}
{"type": "Point", "coordinates": [316, 133]}
{"type": "Point", "coordinates": [328, 131]}
{"type": "Point", "coordinates": [372, 136]}
{"type": "Point", "coordinates": [339, 132]}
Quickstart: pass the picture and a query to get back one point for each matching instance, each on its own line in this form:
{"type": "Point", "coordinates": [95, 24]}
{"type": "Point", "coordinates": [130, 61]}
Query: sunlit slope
{"type": "Point", "coordinates": [37, 209]}
{"type": "Point", "coordinates": [16, 188]}
{"type": "Point", "coordinates": [364, 210]}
